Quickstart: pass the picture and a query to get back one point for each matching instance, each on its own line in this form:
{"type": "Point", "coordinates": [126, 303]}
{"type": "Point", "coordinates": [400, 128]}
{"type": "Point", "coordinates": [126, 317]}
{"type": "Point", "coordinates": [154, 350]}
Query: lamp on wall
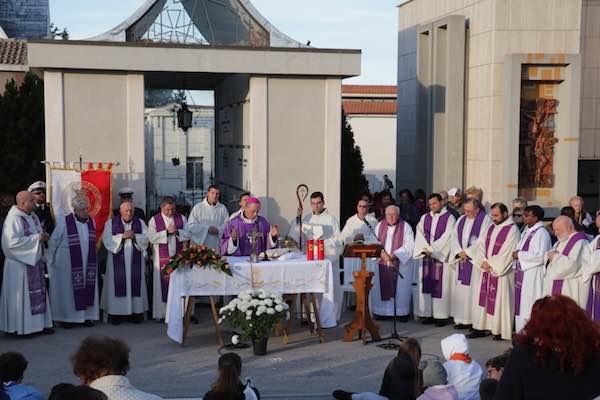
{"type": "Point", "coordinates": [184, 118]}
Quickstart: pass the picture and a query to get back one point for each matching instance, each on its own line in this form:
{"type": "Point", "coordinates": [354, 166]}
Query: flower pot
{"type": "Point", "coordinates": [260, 346]}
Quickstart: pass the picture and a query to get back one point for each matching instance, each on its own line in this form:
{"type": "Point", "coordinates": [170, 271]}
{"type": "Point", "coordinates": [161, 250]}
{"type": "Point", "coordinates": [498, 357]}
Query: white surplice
{"type": "Point", "coordinates": [424, 304]}
{"type": "Point", "coordinates": [462, 295]}
{"type": "Point", "coordinates": [324, 226]}
{"type": "Point", "coordinates": [355, 226]}
{"type": "Point", "coordinates": [59, 273]}
{"type": "Point", "coordinates": [590, 266]}
{"type": "Point", "coordinates": [406, 268]}
{"type": "Point", "coordinates": [127, 304]}
{"type": "Point", "coordinates": [533, 267]}
{"type": "Point", "coordinates": [567, 269]}
{"type": "Point", "coordinates": [501, 322]}
{"type": "Point", "coordinates": [156, 239]}
{"type": "Point", "coordinates": [21, 252]}
{"type": "Point", "coordinates": [203, 216]}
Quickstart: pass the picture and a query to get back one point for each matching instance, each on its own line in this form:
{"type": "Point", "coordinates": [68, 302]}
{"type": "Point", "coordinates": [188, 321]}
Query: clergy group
{"type": "Point", "coordinates": [473, 267]}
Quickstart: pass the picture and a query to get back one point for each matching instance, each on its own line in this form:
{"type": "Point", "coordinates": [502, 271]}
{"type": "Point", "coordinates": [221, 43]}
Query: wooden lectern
{"type": "Point", "coordinates": [362, 284]}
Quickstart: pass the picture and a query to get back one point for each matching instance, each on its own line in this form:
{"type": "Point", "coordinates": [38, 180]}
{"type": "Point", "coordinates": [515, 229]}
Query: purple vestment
{"type": "Point", "coordinates": [558, 283]}
{"type": "Point", "coordinates": [244, 248]}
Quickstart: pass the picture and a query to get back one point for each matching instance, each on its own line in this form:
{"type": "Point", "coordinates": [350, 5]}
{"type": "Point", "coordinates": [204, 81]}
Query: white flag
{"type": "Point", "coordinates": [63, 184]}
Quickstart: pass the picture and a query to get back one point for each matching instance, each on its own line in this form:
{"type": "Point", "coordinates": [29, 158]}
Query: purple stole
{"type": "Point", "coordinates": [433, 270]}
{"type": "Point", "coordinates": [465, 268]}
{"type": "Point", "coordinates": [163, 249]}
{"type": "Point", "coordinates": [120, 277]}
{"type": "Point", "coordinates": [519, 274]}
{"type": "Point", "coordinates": [489, 283]}
{"type": "Point", "coordinates": [593, 302]}
{"type": "Point", "coordinates": [84, 287]}
{"type": "Point", "coordinates": [389, 279]}
{"type": "Point", "coordinates": [558, 283]}
{"type": "Point", "coordinates": [35, 276]}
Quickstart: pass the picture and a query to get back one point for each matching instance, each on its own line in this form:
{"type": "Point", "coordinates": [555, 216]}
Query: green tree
{"type": "Point", "coordinates": [21, 134]}
{"type": "Point", "coordinates": [354, 182]}
{"type": "Point", "coordinates": [56, 33]}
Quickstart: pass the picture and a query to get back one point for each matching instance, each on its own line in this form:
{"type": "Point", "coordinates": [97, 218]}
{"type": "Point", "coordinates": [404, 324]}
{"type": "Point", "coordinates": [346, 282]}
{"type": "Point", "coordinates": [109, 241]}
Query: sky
{"type": "Point", "coordinates": [368, 25]}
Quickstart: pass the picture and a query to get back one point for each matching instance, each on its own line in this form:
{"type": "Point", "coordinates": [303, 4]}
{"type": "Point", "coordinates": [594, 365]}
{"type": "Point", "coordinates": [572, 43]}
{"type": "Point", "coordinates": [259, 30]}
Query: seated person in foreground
{"type": "Point", "coordinates": [12, 370]}
{"type": "Point", "coordinates": [236, 240]}
{"type": "Point", "coordinates": [228, 385]}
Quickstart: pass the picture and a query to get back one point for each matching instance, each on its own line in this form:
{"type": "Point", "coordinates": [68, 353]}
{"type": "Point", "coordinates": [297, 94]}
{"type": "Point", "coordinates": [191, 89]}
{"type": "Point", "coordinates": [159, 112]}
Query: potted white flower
{"type": "Point", "coordinates": [255, 313]}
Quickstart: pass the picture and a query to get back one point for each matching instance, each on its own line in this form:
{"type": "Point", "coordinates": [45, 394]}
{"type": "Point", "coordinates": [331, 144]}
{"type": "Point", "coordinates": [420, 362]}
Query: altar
{"type": "Point", "coordinates": [294, 276]}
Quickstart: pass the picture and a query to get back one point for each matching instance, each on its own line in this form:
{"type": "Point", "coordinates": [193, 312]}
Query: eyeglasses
{"type": "Point", "coordinates": [517, 215]}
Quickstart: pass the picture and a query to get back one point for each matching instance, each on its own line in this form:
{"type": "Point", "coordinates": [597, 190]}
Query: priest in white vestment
{"type": "Point", "coordinates": [320, 224]}
{"type": "Point", "coordinates": [563, 262]}
{"type": "Point", "coordinates": [493, 299]}
{"type": "Point", "coordinates": [469, 230]}
{"type": "Point", "coordinates": [394, 272]}
{"type": "Point", "coordinates": [124, 292]}
{"type": "Point", "coordinates": [432, 298]}
{"type": "Point", "coordinates": [243, 201]}
{"type": "Point", "coordinates": [590, 275]}
{"type": "Point", "coordinates": [529, 264]}
{"type": "Point", "coordinates": [167, 231]}
{"type": "Point", "coordinates": [359, 228]}
{"type": "Point", "coordinates": [207, 220]}
{"type": "Point", "coordinates": [73, 268]}
{"type": "Point", "coordinates": [24, 303]}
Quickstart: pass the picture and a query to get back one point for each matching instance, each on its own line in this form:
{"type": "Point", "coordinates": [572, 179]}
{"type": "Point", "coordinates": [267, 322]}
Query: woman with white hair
{"type": "Point", "coordinates": [582, 217]}
{"type": "Point", "coordinates": [72, 268]}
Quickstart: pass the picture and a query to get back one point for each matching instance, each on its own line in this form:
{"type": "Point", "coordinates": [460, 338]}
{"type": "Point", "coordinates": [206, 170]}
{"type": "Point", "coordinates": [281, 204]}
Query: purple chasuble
{"type": "Point", "coordinates": [120, 277]}
{"type": "Point", "coordinates": [84, 286]}
{"type": "Point", "coordinates": [244, 248]}
{"type": "Point", "coordinates": [35, 275]}
{"type": "Point", "coordinates": [489, 282]}
{"type": "Point", "coordinates": [433, 270]}
{"type": "Point", "coordinates": [163, 249]}
{"type": "Point", "coordinates": [465, 268]}
{"type": "Point", "coordinates": [519, 274]}
{"type": "Point", "coordinates": [593, 302]}
{"type": "Point", "coordinates": [558, 283]}
{"type": "Point", "coordinates": [388, 278]}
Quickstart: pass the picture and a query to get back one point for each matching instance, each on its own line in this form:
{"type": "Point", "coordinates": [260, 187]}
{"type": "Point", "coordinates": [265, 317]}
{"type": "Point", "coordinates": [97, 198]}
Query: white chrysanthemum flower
{"type": "Point", "coordinates": [249, 313]}
{"type": "Point", "coordinates": [262, 309]}
{"type": "Point", "coordinates": [235, 339]}
{"type": "Point", "coordinates": [268, 302]}
{"type": "Point", "coordinates": [278, 308]}
{"type": "Point", "coordinates": [248, 318]}
{"type": "Point", "coordinates": [270, 311]}
{"type": "Point", "coordinates": [254, 302]}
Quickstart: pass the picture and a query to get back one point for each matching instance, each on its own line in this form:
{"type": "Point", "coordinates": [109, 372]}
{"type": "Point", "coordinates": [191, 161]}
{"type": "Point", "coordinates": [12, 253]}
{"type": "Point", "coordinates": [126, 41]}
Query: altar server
{"type": "Point", "coordinates": [243, 201]}
{"type": "Point", "coordinates": [590, 275]}
{"type": "Point", "coordinates": [73, 267]}
{"type": "Point", "coordinates": [24, 303]}
{"type": "Point", "coordinates": [207, 220]}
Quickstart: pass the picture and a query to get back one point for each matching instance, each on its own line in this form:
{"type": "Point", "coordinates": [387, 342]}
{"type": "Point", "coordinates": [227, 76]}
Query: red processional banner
{"type": "Point", "coordinates": [97, 183]}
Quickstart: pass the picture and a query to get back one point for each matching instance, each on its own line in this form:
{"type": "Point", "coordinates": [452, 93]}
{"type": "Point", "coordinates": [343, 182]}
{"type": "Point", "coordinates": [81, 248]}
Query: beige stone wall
{"type": "Point", "coordinates": [589, 147]}
{"type": "Point", "coordinates": [496, 28]}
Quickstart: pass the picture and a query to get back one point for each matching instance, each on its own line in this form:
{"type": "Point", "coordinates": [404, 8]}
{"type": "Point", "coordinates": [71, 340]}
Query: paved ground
{"type": "Point", "coordinates": [302, 369]}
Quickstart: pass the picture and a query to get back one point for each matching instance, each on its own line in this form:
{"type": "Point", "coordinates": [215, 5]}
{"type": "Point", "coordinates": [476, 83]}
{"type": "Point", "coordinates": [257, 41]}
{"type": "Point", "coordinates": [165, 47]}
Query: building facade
{"type": "Point", "coordinates": [500, 94]}
{"type": "Point", "coordinates": [371, 112]}
{"type": "Point", "coordinates": [25, 19]}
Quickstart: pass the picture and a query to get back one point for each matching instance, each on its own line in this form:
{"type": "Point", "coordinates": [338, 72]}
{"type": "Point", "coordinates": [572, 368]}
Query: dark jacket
{"type": "Point", "coordinates": [239, 396]}
{"type": "Point", "coordinates": [399, 379]}
{"type": "Point", "coordinates": [526, 379]}
{"type": "Point", "coordinates": [45, 217]}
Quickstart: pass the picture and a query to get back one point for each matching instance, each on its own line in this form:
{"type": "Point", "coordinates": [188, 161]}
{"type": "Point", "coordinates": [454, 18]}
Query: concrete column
{"type": "Point", "coordinates": [54, 114]}
{"type": "Point", "coordinates": [333, 144]}
{"type": "Point", "coordinates": [135, 138]}
{"type": "Point", "coordinates": [259, 137]}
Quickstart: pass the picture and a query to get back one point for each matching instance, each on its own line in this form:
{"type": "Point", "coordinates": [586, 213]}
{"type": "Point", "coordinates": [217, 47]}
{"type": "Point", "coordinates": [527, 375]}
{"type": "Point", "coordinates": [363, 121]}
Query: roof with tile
{"type": "Point", "coordinates": [13, 52]}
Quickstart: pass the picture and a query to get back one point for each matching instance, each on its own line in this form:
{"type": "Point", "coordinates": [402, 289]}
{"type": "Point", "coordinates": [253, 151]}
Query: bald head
{"type": "Point", "coordinates": [563, 227]}
{"type": "Point", "coordinates": [392, 214]}
{"type": "Point", "coordinates": [24, 200]}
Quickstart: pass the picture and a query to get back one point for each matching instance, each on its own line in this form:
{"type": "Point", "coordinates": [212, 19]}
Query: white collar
{"type": "Point", "coordinates": [538, 224]}
{"type": "Point", "coordinates": [248, 221]}
{"type": "Point", "coordinates": [111, 380]}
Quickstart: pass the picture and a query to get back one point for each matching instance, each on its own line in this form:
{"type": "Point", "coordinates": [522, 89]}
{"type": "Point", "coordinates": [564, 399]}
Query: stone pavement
{"type": "Point", "coordinates": [304, 369]}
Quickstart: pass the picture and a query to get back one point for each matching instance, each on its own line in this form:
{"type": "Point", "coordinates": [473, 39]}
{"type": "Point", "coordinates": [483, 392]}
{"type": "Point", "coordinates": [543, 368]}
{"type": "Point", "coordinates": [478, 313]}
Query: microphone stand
{"type": "Point", "coordinates": [390, 345]}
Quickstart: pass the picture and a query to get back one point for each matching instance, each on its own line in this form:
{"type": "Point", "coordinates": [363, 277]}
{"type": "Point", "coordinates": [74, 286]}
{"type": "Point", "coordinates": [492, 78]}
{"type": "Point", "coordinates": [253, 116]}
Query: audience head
{"type": "Point", "coordinates": [568, 211]}
{"type": "Point", "coordinates": [598, 219]}
{"type": "Point", "coordinates": [81, 206]}
{"type": "Point", "coordinates": [455, 196]}
{"type": "Point", "coordinates": [471, 207]}
{"type": "Point", "coordinates": [474, 193]}
{"type": "Point", "coordinates": [126, 194]}
{"type": "Point", "coordinates": [412, 348]}
{"type": "Point", "coordinates": [560, 329]}
{"type": "Point", "coordinates": [456, 343]}
{"type": "Point", "coordinates": [126, 210]}
{"type": "Point", "coordinates": [533, 215]}
{"type": "Point", "coordinates": [12, 367]}
{"type": "Point", "coordinates": [498, 213]}
{"type": "Point", "coordinates": [366, 197]}
{"type": "Point", "coordinates": [518, 215]}
{"type": "Point", "coordinates": [487, 389]}
{"type": "Point", "coordinates": [406, 197]}
{"type": "Point", "coordinates": [58, 391]}
{"type": "Point", "coordinates": [444, 196]}
{"type": "Point", "coordinates": [495, 365]}
{"type": "Point", "coordinates": [24, 201]}
{"type": "Point", "coordinates": [317, 202]}
{"type": "Point", "coordinates": [563, 227]}
{"type": "Point", "coordinates": [38, 190]}
{"type": "Point", "coordinates": [435, 202]}
{"type": "Point", "coordinates": [167, 206]}
{"type": "Point", "coordinates": [252, 208]}
{"type": "Point", "coordinates": [386, 199]}
{"type": "Point", "coordinates": [212, 194]}
{"type": "Point", "coordinates": [434, 373]}
{"type": "Point", "coordinates": [362, 208]}
{"type": "Point", "coordinates": [420, 194]}
{"type": "Point", "coordinates": [230, 369]}
{"type": "Point", "coordinates": [577, 203]}
{"type": "Point", "coordinates": [244, 199]}
{"type": "Point", "coordinates": [519, 202]}
{"type": "Point", "coordinates": [99, 356]}
{"type": "Point", "coordinates": [392, 215]}
{"type": "Point", "coordinates": [66, 391]}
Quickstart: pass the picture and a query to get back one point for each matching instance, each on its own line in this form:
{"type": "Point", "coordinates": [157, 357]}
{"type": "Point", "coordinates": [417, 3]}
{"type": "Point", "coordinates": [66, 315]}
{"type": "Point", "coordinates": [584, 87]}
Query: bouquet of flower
{"type": "Point", "coordinates": [255, 313]}
{"type": "Point", "coordinates": [197, 256]}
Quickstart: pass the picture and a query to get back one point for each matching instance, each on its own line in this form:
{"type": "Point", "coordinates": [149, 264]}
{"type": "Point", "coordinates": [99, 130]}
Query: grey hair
{"type": "Point", "coordinates": [393, 207]}
{"type": "Point", "coordinates": [520, 202]}
{"type": "Point", "coordinates": [474, 202]}
{"type": "Point", "coordinates": [578, 198]}
{"type": "Point", "coordinates": [80, 203]}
